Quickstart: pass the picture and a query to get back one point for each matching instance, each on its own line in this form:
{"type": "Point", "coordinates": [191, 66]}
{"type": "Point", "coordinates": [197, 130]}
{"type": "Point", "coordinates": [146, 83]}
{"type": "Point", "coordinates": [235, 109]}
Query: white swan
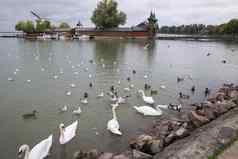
{"type": "Point", "coordinates": [84, 101]}
{"type": "Point", "coordinates": [68, 133]}
{"type": "Point", "coordinates": [148, 111]}
{"type": "Point", "coordinates": [113, 124]}
{"type": "Point", "coordinates": [78, 111]}
{"type": "Point", "coordinates": [147, 99]}
{"type": "Point", "coordinates": [39, 151]}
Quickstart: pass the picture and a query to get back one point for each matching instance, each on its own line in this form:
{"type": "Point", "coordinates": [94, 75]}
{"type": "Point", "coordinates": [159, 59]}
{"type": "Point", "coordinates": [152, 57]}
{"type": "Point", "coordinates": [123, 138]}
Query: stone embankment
{"type": "Point", "coordinates": [197, 134]}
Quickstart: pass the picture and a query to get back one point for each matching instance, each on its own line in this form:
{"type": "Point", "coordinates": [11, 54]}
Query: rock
{"type": "Point", "coordinates": [169, 139]}
{"type": "Point", "coordinates": [92, 154]}
{"type": "Point", "coordinates": [156, 146]}
{"type": "Point", "coordinates": [181, 132]}
{"type": "Point", "coordinates": [226, 134]}
{"type": "Point", "coordinates": [197, 120]}
{"type": "Point", "coordinates": [140, 155]}
{"type": "Point", "coordinates": [141, 143]}
{"type": "Point", "coordinates": [122, 156]}
{"type": "Point", "coordinates": [106, 155]}
{"type": "Point", "coordinates": [79, 155]}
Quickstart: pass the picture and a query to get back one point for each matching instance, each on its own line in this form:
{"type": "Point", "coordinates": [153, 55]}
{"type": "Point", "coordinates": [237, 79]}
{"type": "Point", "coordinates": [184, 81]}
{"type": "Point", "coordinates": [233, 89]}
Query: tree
{"type": "Point", "coordinates": [64, 25]}
{"type": "Point", "coordinates": [153, 23]}
{"type": "Point", "coordinates": [42, 25]}
{"type": "Point", "coordinates": [106, 15]}
{"type": "Point", "coordinates": [25, 26]}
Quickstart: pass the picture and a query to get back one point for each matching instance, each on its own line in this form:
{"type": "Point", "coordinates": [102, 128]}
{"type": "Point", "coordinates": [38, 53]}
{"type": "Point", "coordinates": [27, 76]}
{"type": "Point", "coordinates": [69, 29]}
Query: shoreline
{"type": "Point", "coordinates": [199, 134]}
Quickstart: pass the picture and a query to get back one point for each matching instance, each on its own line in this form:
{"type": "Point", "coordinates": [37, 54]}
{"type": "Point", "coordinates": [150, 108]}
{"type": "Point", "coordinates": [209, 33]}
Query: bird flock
{"type": "Point", "coordinates": [68, 133]}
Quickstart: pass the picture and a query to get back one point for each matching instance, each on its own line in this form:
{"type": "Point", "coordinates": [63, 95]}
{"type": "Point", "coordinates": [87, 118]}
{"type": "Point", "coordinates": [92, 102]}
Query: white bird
{"type": "Point", "coordinates": [77, 111]}
{"type": "Point", "coordinates": [127, 89]}
{"type": "Point", "coordinates": [113, 124]}
{"type": "Point", "coordinates": [132, 86]}
{"type": "Point", "coordinates": [103, 65]}
{"type": "Point", "coordinates": [39, 151]}
{"type": "Point", "coordinates": [119, 82]}
{"type": "Point", "coordinates": [84, 101]}
{"type": "Point", "coordinates": [148, 111]}
{"type": "Point", "coordinates": [10, 79]}
{"type": "Point", "coordinates": [163, 86]}
{"type": "Point", "coordinates": [42, 69]}
{"type": "Point", "coordinates": [68, 133]}
{"type": "Point", "coordinates": [73, 67]}
{"type": "Point", "coordinates": [78, 65]}
{"type": "Point", "coordinates": [90, 76]}
{"type": "Point", "coordinates": [68, 93]}
{"type": "Point", "coordinates": [163, 106]}
{"type": "Point", "coordinates": [64, 108]}
{"type": "Point", "coordinates": [147, 99]}
{"type": "Point", "coordinates": [100, 95]}
{"type": "Point", "coordinates": [56, 77]}
{"type": "Point", "coordinates": [72, 85]}
{"type": "Point", "coordinates": [145, 76]}
{"type": "Point", "coordinates": [76, 73]}
{"type": "Point", "coordinates": [28, 81]}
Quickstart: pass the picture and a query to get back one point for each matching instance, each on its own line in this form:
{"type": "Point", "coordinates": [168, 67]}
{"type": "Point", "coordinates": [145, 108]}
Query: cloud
{"type": "Point", "coordinates": [169, 12]}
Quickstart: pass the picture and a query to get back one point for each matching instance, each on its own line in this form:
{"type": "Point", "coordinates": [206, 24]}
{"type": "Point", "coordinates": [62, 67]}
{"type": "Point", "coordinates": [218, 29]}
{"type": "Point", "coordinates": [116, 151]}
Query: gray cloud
{"type": "Point", "coordinates": [169, 12]}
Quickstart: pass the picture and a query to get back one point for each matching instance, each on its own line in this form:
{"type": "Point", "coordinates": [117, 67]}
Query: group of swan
{"type": "Point", "coordinates": [41, 150]}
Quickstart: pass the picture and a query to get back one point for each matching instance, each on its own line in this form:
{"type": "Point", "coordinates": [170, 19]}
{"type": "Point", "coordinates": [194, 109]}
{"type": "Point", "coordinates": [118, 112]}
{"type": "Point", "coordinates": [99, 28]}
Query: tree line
{"type": "Point", "coordinates": [229, 28]}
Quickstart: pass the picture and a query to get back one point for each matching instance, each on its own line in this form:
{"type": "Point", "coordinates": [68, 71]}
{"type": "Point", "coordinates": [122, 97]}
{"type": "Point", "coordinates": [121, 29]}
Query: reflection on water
{"type": "Point", "coordinates": [113, 61]}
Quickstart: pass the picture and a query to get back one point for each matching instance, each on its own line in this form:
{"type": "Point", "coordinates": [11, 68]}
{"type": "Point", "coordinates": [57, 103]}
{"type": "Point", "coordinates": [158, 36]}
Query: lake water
{"type": "Point", "coordinates": [162, 63]}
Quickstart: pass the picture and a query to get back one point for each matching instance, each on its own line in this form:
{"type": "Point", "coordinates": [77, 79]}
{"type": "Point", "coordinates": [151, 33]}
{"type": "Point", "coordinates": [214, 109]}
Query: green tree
{"type": "Point", "coordinates": [153, 23]}
{"type": "Point", "coordinates": [42, 25]}
{"type": "Point", "coordinates": [25, 26]}
{"type": "Point", "coordinates": [64, 25]}
{"type": "Point", "coordinates": [106, 15]}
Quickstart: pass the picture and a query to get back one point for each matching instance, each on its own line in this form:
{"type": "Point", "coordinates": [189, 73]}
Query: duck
{"type": "Point", "coordinates": [39, 151]}
{"type": "Point", "coordinates": [30, 115]}
{"type": "Point", "coordinates": [72, 85]}
{"type": "Point", "coordinates": [180, 79]}
{"type": "Point", "coordinates": [148, 111]}
{"type": "Point", "coordinates": [113, 124]}
{"type": "Point", "coordinates": [134, 71]}
{"type": "Point", "coordinates": [90, 85]}
{"type": "Point", "coordinates": [10, 79]}
{"type": "Point", "coordinates": [147, 99]}
{"type": "Point", "coordinates": [127, 89]}
{"type": "Point", "coordinates": [153, 92]}
{"type": "Point", "coordinates": [100, 95]}
{"type": "Point", "coordinates": [193, 89]}
{"type": "Point", "coordinates": [175, 107]}
{"type": "Point", "coordinates": [68, 133]}
{"type": "Point", "coordinates": [68, 93]}
{"type": "Point", "coordinates": [77, 111]}
{"type": "Point", "coordinates": [183, 96]}
{"type": "Point", "coordinates": [64, 109]}
{"type": "Point", "coordinates": [84, 101]}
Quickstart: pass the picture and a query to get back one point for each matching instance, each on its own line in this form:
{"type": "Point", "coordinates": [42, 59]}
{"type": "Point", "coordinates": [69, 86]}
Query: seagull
{"type": "Point", "coordinates": [28, 81]}
{"type": "Point", "coordinates": [72, 85]}
{"type": "Point", "coordinates": [77, 111]}
{"type": "Point", "coordinates": [68, 93]}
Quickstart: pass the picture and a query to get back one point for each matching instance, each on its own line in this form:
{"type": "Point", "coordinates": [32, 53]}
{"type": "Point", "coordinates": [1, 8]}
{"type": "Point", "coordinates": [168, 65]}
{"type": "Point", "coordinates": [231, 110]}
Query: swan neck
{"type": "Point", "coordinates": [114, 113]}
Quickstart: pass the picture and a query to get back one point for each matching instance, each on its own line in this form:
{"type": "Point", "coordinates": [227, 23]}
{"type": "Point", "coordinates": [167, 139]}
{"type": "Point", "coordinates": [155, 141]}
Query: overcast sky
{"type": "Point", "coordinates": [169, 12]}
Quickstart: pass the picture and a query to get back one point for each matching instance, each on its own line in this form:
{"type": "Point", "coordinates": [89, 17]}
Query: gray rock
{"type": "Point", "coordinates": [156, 146]}
{"type": "Point", "coordinates": [140, 155]}
{"type": "Point", "coordinates": [106, 155]}
{"type": "Point", "coordinates": [142, 142]}
{"type": "Point", "coordinates": [122, 156]}
{"type": "Point", "coordinates": [226, 134]}
{"type": "Point", "coordinates": [181, 132]}
{"type": "Point", "coordinates": [197, 120]}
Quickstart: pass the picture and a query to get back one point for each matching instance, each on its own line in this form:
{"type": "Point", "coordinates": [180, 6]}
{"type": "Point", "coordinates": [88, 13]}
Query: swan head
{"type": "Point", "coordinates": [61, 126]}
{"type": "Point", "coordinates": [23, 149]}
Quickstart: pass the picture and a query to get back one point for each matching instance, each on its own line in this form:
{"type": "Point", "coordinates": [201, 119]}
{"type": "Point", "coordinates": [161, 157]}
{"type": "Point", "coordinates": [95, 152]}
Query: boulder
{"type": "Point", "coordinates": [140, 155]}
{"type": "Point", "coordinates": [142, 143]}
{"type": "Point", "coordinates": [181, 132]}
{"type": "Point", "coordinates": [226, 134]}
{"type": "Point", "coordinates": [121, 156]}
{"type": "Point", "coordinates": [197, 120]}
{"type": "Point", "coordinates": [156, 146]}
{"type": "Point", "coordinates": [106, 155]}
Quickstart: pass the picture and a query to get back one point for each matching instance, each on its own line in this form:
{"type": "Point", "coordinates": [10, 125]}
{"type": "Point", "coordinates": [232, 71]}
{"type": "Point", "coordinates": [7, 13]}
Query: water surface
{"type": "Point", "coordinates": [162, 64]}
